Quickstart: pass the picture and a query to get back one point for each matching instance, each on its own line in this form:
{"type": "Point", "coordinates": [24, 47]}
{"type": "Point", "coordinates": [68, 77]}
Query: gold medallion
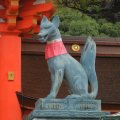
{"type": "Point", "coordinates": [75, 47]}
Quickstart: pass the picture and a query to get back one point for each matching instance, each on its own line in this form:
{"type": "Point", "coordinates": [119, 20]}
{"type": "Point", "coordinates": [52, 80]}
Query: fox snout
{"type": "Point", "coordinates": [43, 36]}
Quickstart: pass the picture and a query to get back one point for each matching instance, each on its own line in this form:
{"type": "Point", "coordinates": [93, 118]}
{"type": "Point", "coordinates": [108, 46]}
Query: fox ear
{"type": "Point", "coordinates": [44, 20]}
{"type": "Point", "coordinates": [56, 21]}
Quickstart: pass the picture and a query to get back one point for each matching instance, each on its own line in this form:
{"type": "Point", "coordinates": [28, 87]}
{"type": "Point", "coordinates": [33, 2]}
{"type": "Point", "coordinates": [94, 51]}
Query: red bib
{"type": "Point", "coordinates": [54, 49]}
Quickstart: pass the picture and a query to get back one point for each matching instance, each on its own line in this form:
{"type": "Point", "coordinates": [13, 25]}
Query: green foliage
{"type": "Point", "coordinates": [84, 27]}
{"type": "Point", "coordinates": [108, 9]}
{"type": "Point", "coordinates": [75, 23]}
{"type": "Point", "coordinates": [102, 21]}
{"type": "Point", "coordinates": [113, 30]}
{"type": "Point", "coordinates": [81, 5]}
{"type": "Point", "coordinates": [107, 28]}
{"type": "Point", "coordinates": [117, 29]}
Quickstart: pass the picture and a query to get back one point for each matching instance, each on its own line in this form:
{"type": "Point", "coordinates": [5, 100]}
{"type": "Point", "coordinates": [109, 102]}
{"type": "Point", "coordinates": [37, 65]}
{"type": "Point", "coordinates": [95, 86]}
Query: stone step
{"type": "Point", "coordinates": [66, 115]}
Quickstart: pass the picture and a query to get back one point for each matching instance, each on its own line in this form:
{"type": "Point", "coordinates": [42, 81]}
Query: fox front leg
{"type": "Point", "coordinates": [57, 78]}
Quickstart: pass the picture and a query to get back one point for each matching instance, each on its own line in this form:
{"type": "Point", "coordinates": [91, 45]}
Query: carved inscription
{"type": "Point", "coordinates": [85, 106]}
{"type": "Point", "coordinates": [54, 106]}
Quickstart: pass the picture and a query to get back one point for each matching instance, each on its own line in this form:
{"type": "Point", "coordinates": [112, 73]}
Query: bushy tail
{"type": "Point", "coordinates": [88, 57]}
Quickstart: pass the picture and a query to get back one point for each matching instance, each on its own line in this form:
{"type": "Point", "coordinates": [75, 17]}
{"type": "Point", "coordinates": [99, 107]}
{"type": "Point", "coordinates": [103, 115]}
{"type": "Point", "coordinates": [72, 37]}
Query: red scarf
{"type": "Point", "coordinates": [54, 49]}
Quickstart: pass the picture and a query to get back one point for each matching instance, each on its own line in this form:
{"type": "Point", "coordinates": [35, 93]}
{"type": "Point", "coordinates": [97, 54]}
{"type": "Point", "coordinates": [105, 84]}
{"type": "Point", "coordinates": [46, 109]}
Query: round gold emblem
{"type": "Point", "coordinates": [76, 48]}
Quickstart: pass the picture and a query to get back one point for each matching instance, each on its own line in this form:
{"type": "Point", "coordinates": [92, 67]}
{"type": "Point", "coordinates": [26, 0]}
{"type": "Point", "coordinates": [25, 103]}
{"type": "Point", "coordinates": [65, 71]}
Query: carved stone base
{"type": "Point", "coordinates": [68, 104]}
{"type": "Point", "coordinates": [67, 109]}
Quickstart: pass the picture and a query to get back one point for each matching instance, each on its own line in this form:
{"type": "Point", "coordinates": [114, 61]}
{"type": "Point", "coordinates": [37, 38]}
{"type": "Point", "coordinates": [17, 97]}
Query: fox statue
{"type": "Point", "coordinates": [63, 66]}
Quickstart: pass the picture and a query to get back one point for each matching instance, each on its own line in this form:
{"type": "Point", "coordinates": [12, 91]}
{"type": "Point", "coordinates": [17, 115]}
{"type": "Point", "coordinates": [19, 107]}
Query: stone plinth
{"type": "Point", "coordinates": [67, 109]}
{"type": "Point", "coordinates": [68, 104]}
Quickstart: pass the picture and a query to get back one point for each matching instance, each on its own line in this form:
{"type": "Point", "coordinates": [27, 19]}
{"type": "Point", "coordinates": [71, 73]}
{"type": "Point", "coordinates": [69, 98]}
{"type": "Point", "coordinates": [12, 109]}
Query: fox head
{"type": "Point", "coordinates": [49, 29]}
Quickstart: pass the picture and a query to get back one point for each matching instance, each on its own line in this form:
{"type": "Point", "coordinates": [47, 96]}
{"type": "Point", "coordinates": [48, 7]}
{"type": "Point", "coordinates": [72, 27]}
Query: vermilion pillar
{"type": "Point", "coordinates": [13, 21]}
{"type": "Point", "coordinates": [10, 76]}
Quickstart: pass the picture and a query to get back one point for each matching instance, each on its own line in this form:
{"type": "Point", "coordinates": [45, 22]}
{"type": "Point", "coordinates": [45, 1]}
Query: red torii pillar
{"type": "Point", "coordinates": [10, 76]}
{"type": "Point", "coordinates": [10, 62]}
{"type": "Point", "coordinates": [10, 49]}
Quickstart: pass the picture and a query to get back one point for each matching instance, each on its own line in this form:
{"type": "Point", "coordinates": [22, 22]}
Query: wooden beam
{"type": "Point", "coordinates": [13, 6]}
{"type": "Point", "coordinates": [27, 23]}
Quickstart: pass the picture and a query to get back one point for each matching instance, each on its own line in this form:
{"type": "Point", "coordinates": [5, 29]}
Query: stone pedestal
{"type": "Point", "coordinates": [67, 109]}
